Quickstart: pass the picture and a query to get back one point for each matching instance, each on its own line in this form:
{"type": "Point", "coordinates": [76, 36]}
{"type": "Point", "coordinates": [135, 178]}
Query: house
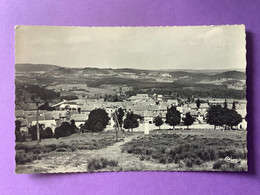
{"type": "Point", "coordinates": [69, 107]}
{"type": "Point", "coordinates": [172, 102]}
{"type": "Point", "coordinates": [159, 97]}
{"type": "Point", "coordinates": [139, 107]}
{"type": "Point", "coordinates": [51, 115]}
{"type": "Point", "coordinates": [87, 108]}
{"type": "Point", "coordinates": [79, 118]}
{"type": "Point", "coordinates": [46, 123]}
{"type": "Point", "coordinates": [193, 106]}
{"type": "Point", "coordinates": [31, 121]}
{"type": "Point", "coordinates": [203, 108]}
{"type": "Point", "coordinates": [148, 116]}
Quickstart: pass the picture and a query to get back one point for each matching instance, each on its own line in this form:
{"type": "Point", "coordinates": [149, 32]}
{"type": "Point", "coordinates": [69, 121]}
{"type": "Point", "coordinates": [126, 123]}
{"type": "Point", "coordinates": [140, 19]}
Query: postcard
{"type": "Point", "coordinates": [94, 99]}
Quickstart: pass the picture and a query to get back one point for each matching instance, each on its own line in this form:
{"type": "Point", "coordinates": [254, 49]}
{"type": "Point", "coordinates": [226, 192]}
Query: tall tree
{"type": "Point", "coordinates": [97, 120]}
{"type": "Point", "coordinates": [173, 116]}
{"type": "Point", "coordinates": [131, 121]}
{"type": "Point", "coordinates": [120, 114]}
{"type": "Point", "coordinates": [219, 116]}
{"type": "Point", "coordinates": [33, 131]}
{"type": "Point", "coordinates": [63, 130]}
{"type": "Point", "coordinates": [158, 121]}
{"type": "Point", "coordinates": [73, 127]}
{"type": "Point", "coordinates": [188, 120]}
{"type": "Point", "coordinates": [215, 115]}
{"type": "Point", "coordinates": [232, 118]}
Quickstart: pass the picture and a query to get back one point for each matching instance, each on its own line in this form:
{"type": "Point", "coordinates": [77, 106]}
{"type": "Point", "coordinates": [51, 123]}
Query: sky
{"type": "Point", "coordinates": [197, 47]}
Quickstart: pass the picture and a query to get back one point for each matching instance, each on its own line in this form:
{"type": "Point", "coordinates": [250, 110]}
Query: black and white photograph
{"type": "Point", "coordinates": [100, 99]}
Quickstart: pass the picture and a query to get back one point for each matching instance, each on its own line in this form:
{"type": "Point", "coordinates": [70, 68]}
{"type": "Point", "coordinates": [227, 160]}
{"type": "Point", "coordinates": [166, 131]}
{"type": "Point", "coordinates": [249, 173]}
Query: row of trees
{"type": "Point", "coordinates": [173, 118]}
{"type": "Point", "coordinates": [222, 116]}
{"type": "Point", "coordinates": [216, 115]}
{"type": "Point", "coordinates": [99, 119]}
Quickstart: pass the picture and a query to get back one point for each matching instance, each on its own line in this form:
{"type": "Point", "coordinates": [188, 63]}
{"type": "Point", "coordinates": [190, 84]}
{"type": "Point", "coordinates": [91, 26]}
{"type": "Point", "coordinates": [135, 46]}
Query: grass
{"type": "Point", "coordinates": [186, 150]}
{"type": "Point", "coordinates": [100, 163]}
{"type": "Point", "coordinates": [27, 151]}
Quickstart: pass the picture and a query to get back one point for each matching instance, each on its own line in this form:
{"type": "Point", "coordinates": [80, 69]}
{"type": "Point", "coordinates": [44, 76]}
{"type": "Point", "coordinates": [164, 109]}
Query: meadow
{"type": "Point", "coordinates": [192, 150]}
{"type": "Point", "coordinates": [163, 150]}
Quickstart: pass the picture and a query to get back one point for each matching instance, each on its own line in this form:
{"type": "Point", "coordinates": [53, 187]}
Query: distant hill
{"type": "Point", "coordinates": [194, 75]}
{"type": "Point", "coordinates": [230, 74]}
{"type": "Point", "coordinates": [190, 74]}
{"type": "Point", "coordinates": [34, 67]}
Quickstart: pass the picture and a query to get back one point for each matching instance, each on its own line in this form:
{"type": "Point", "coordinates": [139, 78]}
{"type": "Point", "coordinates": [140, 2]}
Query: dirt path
{"type": "Point", "coordinates": [57, 162]}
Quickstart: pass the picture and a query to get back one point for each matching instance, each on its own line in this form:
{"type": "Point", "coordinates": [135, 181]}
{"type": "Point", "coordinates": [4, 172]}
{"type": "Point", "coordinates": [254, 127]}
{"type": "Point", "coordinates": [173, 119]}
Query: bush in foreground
{"type": "Point", "coordinates": [100, 163]}
{"type": "Point", "coordinates": [22, 158]}
{"type": "Point", "coordinates": [227, 166]}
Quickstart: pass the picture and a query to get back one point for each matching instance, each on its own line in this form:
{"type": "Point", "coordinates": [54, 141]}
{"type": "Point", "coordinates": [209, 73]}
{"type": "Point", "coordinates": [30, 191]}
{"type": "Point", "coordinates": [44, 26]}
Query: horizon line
{"type": "Point", "coordinates": [244, 69]}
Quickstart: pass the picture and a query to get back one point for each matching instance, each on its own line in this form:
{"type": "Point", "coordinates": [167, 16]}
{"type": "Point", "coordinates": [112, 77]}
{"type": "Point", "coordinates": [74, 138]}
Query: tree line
{"type": "Point", "coordinates": [98, 119]}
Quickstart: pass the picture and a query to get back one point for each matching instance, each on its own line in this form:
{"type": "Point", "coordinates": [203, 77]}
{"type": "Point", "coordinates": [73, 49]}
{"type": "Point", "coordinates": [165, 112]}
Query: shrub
{"type": "Point", "coordinates": [112, 163]}
{"type": "Point", "coordinates": [188, 162]}
{"type": "Point", "coordinates": [19, 136]}
{"type": "Point", "coordinates": [156, 154]}
{"type": "Point", "coordinates": [170, 160]}
{"type": "Point", "coordinates": [22, 158]}
{"type": "Point", "coordinates": [149, 151]}
{"type": "Point", "coordinates": [219, 164]}
{"type": "Point", "coordinates": [226, 166]}
{"type": "Point", "coordinates": [142, 158]}
{"type": "Point", "coordinates": [162, 160]}
{"type": "Point", "coordinates": [100, 163]}
{"type": "Point", "coordinates": [47, 133]}
{"type": "Point", "coordinates": [232, 153]}
{"type": "Point", "coordinates": [147, 158]}
{"type": "Point", "coordinates": [33, 131]}
{"type": "Point", "coordinates": [63, 130]}
{"type": "Point", "coordinates": [198, 161]}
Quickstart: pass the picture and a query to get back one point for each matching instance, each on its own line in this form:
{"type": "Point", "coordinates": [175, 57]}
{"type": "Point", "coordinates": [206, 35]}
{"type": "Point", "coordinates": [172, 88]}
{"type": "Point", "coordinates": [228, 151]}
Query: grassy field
{"type": "Point", "coordinates": [161, 150]}
{"type": "Point", "coordinates": [192, 150]}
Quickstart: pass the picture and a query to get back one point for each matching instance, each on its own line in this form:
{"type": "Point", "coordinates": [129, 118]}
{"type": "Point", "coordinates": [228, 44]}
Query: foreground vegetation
{"type": "Point", "coordinates": [101, 163]}
{"type": "Point", "coordinates": [189, 151]}
{"type": "Point", "coordinates": [28, 151]}
{"type": "Point", "coordinates": [162, 150]}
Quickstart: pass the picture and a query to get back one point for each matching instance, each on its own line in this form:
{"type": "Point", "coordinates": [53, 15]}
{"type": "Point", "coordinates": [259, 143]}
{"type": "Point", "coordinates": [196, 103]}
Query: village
{"type": "Point", "coordinates": [148, 107]}
{"type": "Point", "coordinates": [132, 101]}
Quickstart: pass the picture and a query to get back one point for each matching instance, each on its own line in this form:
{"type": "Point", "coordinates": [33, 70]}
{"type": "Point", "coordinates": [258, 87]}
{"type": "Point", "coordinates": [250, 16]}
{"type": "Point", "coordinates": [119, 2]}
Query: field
{"type": "Point", "coordinates": [163, 150]}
